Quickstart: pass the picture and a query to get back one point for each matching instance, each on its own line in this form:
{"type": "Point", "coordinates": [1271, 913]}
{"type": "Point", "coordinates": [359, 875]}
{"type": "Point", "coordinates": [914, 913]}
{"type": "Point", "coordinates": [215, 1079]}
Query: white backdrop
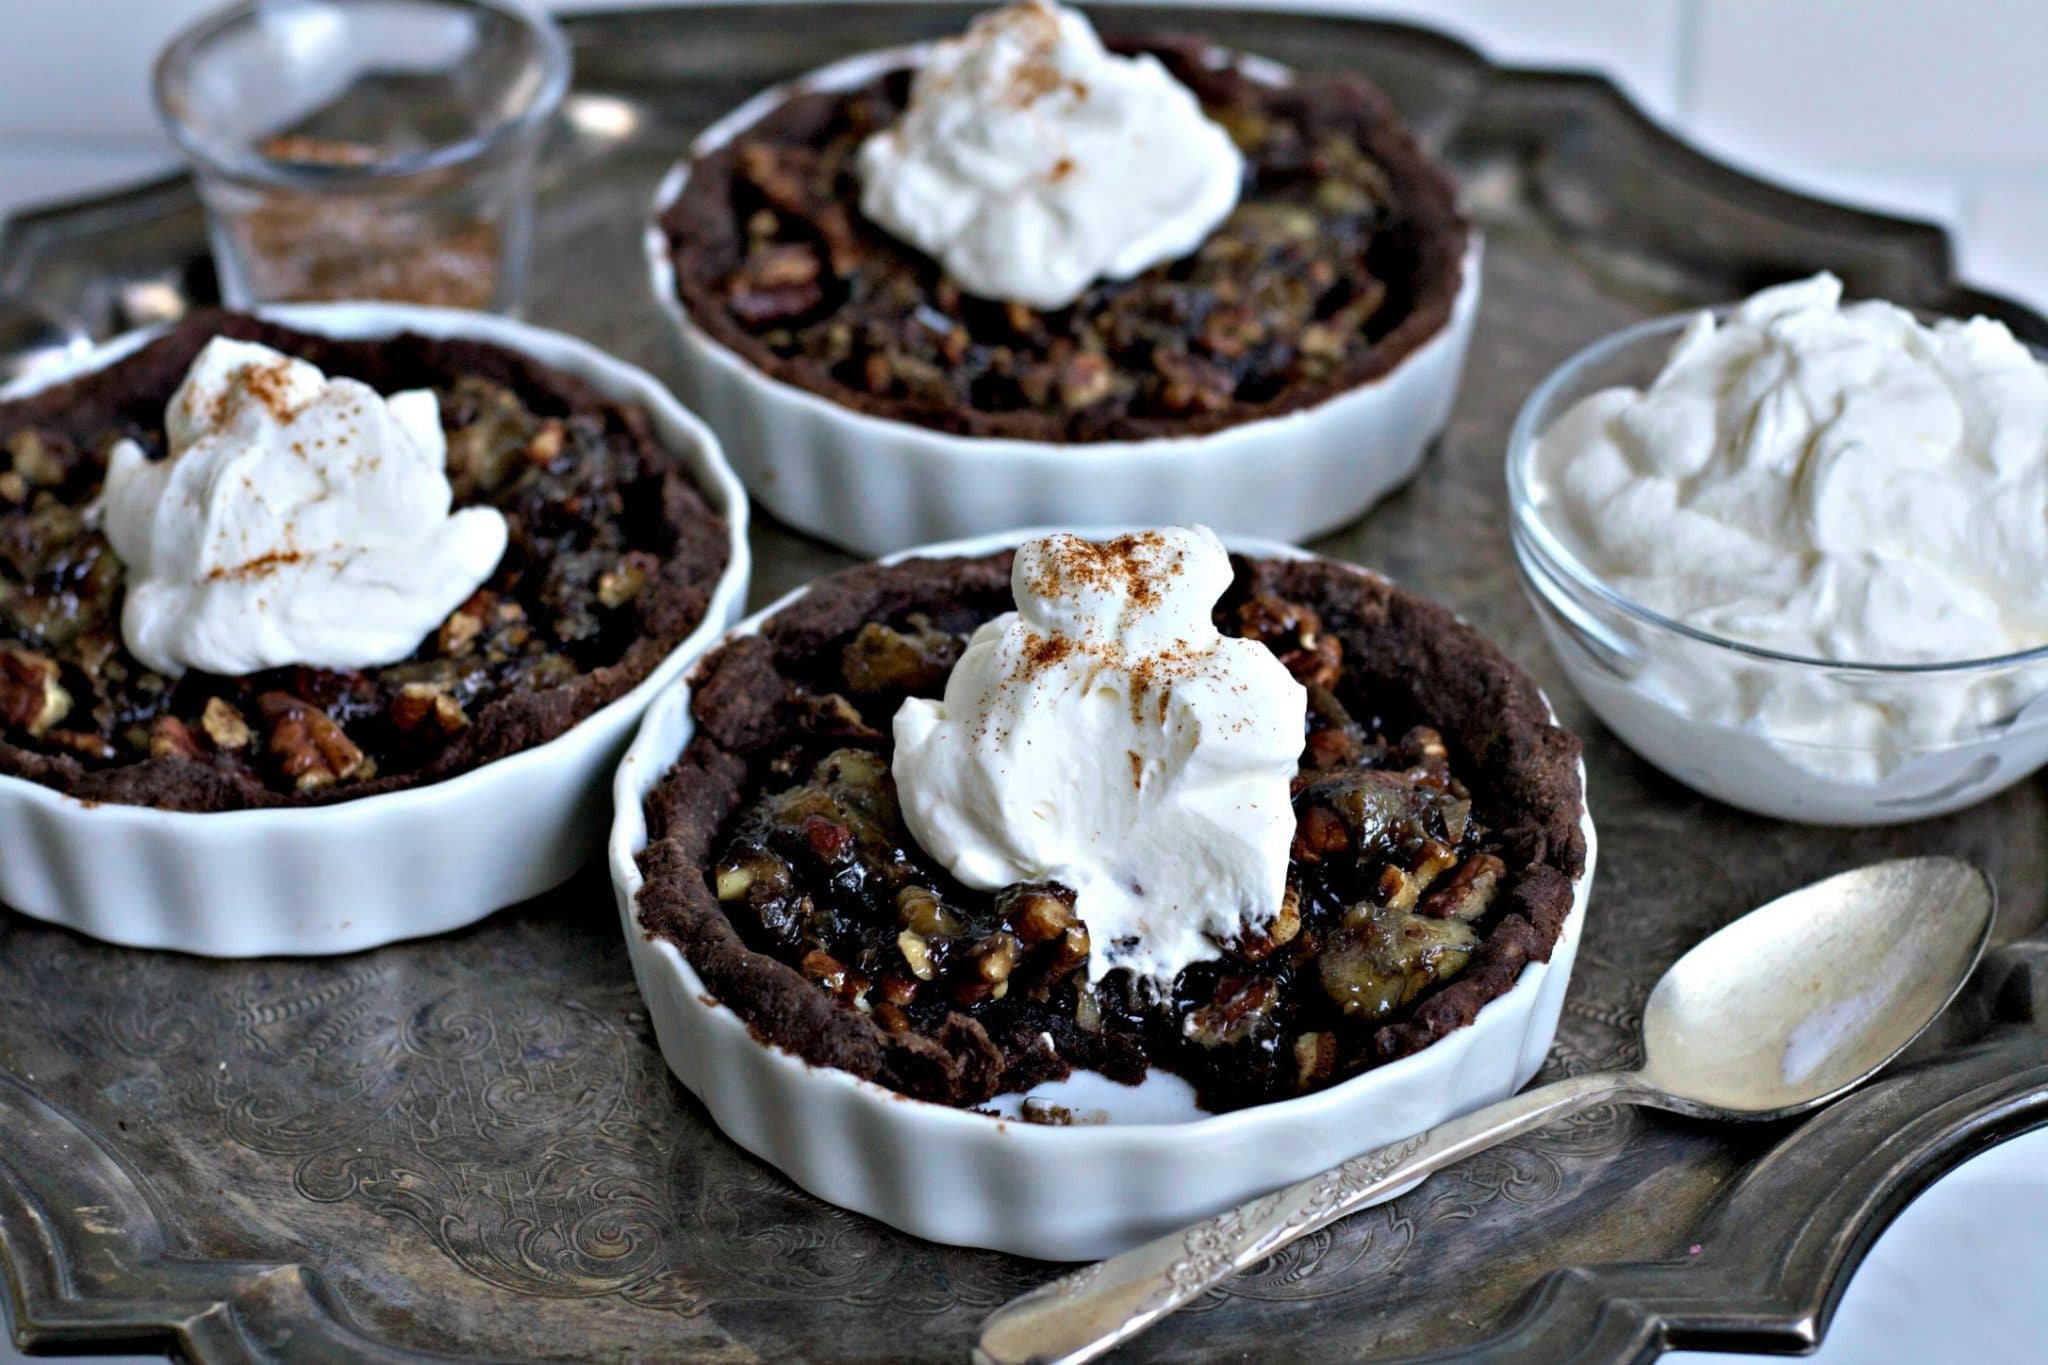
{"type": "Point", "coordinates": [1931, 109]}
{"type": "Point", "coordinates": [1937, 110]}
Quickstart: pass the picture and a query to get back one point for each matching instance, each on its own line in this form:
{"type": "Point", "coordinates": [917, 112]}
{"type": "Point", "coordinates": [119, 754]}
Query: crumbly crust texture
{"type": "Point", "coordinates": [1344, 257]}
{"type": "Point", "coordinates": [678, 541]}
{"type": "Point", "coordinates": [1418, 661]}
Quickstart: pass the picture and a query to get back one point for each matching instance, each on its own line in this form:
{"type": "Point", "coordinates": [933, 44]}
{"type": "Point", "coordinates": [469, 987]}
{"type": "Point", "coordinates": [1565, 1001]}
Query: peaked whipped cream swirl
{"type": "Point", "coordinates": [1032, 161]}
{"type": "Point", "coordinates": [1106, 736]}
{"type": "Point", "coordinates": [1834, 481]}
{"type": "Point", "coordinates": [294, 520]}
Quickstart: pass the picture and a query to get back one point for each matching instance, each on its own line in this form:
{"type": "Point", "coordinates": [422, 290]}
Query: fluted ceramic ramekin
{"type": "Point", "coordinates": [1057, 1193]}
{"type": "Point", "coordinates": [875, 484]}
{"type": "Point", "coordinates": [404, 864]}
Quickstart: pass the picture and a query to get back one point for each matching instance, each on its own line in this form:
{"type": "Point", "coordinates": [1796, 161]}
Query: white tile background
{"type": "Point", "coordinates": [1923, 107]}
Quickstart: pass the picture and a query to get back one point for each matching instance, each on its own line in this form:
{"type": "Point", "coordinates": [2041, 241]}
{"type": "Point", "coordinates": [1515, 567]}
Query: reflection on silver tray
{"type": "Point", "coordinates": [469, 1145]}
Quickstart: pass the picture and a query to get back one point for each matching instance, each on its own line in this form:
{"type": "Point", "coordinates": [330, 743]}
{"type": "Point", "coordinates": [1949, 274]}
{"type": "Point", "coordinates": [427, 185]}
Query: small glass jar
{"type": "Point", "coordinates": [367, 149]}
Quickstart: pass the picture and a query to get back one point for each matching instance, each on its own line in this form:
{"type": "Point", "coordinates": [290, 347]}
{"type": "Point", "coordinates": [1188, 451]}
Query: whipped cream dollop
{"type": "Point", "coordinates": [1031, 161]}
{"type": "Point", "coordinates": [1835, 482]}
{"type": "Point", "coordinates": [1843, 483]}
{"type": "Point", "coordinates": [1106, 736]}
{"type": "Point", "coordinates": [295, 519]}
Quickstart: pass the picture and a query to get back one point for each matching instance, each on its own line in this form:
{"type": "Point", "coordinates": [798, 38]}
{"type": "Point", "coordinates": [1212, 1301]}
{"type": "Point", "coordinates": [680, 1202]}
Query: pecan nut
{"type": "Point", "coordinates": [224, 725]}
{"type": "Point", "coordinates": [624, 583]}
{"type": "Point", "coordinates": [169, 738]}
{"type": "Point", "coordinates": [418, 704]}
{"type": "Point", "coordinates": [31, 698]}
{"type": "Point", "coordinates": [310, 749]}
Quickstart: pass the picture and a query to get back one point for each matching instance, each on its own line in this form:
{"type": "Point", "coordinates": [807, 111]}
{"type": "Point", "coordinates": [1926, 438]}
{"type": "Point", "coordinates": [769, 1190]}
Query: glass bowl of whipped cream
{"type": "Point", "coordinates": [1792, 550]}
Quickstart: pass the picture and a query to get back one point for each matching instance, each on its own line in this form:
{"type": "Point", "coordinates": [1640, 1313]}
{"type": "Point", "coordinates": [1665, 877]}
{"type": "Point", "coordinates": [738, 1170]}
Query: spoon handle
{"type": "Point", "coordinates": [1082, 1314]}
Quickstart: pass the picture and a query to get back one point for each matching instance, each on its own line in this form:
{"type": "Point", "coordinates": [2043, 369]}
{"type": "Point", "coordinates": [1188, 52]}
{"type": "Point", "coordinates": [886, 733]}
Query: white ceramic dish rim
{"type": "Point", "coordinates": [642, 770]}
{"type": "Point", "coordinates": [727, 498]}
{"type": "Point", "coordinates": [1053, 459]}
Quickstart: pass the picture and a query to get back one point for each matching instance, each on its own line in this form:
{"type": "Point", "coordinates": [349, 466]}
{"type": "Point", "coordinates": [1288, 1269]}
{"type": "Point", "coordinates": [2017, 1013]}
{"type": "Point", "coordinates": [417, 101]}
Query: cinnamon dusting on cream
{"type": "Point", "coordinates": [1014, 775]}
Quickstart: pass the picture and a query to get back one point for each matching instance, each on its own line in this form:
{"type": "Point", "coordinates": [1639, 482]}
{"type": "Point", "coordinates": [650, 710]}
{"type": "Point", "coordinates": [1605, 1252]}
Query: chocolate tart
{"type": "Point", "coordinates": [1345, 255]}
{"type": "Point", "coordinates": [614, 556]}
{"type": "Point", "coordinates": [1439, 836]}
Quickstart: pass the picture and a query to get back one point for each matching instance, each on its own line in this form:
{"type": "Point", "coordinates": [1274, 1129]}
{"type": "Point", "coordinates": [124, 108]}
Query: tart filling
{"type": "Point", "coordinates": [611, 558]}
{"type": "Point", "coordinates": [1343, 254]}
{"type": "Point", "coordinates": [1436, 838]}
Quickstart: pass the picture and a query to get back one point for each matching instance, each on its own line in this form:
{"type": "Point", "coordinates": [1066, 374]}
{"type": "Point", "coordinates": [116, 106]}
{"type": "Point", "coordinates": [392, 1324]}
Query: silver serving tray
{"type": "Point", "coordinates": [469, 1147]}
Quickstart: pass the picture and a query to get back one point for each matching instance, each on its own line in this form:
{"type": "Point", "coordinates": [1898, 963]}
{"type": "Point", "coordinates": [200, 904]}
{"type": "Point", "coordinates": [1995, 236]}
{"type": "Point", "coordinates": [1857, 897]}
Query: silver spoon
{"type": "Point", "coordinates": [1785, 1009]}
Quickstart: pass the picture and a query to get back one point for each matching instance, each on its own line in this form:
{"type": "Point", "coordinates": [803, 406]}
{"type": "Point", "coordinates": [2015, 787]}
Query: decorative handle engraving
{"type": "Point", "coordinates": [1080, 1315]}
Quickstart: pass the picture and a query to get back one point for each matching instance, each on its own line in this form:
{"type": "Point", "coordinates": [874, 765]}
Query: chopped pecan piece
{"type": "Point", "coordinates": [419, 703]}
{"type": "Point", "coordinates": [758, 308]}
{"type": "Point", "coordinates": [547, 442]}
{"type": "Point", "coordinates": [1319, 833]}
{"type": "Point", "coordinates": [224, 725]}
{"type": "Point", "coordinates": [1315, 1059]}
{"type": "Point", "coordinates": [896, 988]}
{"type": "Point", "coordinates": [96, 748]}
{"type": "Point", "coordinates": [752, 874]}
{"type": "Point", "coordinates": [988, 966]}
{"type": "Point", "coordinates": [884, 659]}
{"type": "Point", "coordinates": [624, 583]}
{"type": "Point", "coordinates": [1085, 380]}
{"type": "Point", "coordinates": [920, 909]}
{"type": "Point", "coordinates": [1039, 914]}
{"type": "Point", "coordinates": [1295, 633]}
{"type": "Point", "coordinates": [835, 976]}
{"type": "Point", "coordinates": [310, 749]}
{"type": "Point", "coordinates": [458, 634]}
{"type": "Point", "coordinates": [786, 177]}
{"type": "Point", "coordinates": [169, 738]}
{"type": "Point", "coordinates": [1422, 751]}
{"type": "Point", "coordinates": [490, 430]}
{"type": "Point", "coordinates": [1396, 889]}
{"type": "Point", "coordinates": [829, 840]}
{"type": "Point", "coordinates": [1044, 915]}
{"type": "Point", "coordinates": [33, 458]}
{"type": "Point", "coordinates": [1256, 945]}
{"type": "Point", "coordinates": [1228, 332]}
{"type": "Point", "coordinates": [1087, 1008]}
{"type": "Point", "coordinates": [778, 267]}
{"type": "Point", "coordinates": [31, 698]}
{"type": "Point", "coordinates": [1371, 811]}
{"type": "Point", "coordinates": [1241, 1007]}
{"type": "Point", "coordinates": [834, 717]}
{"type": "Point", "coordinates": [918, 954]}
{"type": "Point", "coordinates": [1192, 385]}
{"type": "Point", "coordinates": [1469, 892]}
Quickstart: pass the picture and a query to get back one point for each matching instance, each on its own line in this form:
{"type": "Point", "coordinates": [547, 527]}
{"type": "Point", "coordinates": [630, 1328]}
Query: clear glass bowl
{"type": "Point", "coordinates": [366, 149]}
{"type": "Point", "coordinates": [1796, 738]}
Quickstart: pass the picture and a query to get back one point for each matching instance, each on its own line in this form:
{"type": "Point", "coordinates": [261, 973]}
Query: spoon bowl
{"type": "Point", "coordinates": [1804, 998]}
